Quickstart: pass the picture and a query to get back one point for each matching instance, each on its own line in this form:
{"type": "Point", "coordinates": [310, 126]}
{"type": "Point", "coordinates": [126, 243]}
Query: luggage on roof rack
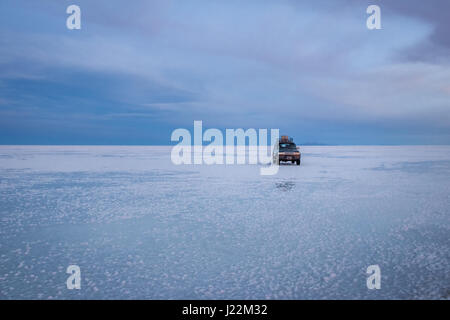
{"type": "Point", "coordinates": [286, 139]}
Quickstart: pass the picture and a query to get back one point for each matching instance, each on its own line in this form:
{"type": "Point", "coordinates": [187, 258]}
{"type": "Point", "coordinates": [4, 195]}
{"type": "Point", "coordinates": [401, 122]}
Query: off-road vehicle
{"type": "Point", "coordinates": [288, 151]}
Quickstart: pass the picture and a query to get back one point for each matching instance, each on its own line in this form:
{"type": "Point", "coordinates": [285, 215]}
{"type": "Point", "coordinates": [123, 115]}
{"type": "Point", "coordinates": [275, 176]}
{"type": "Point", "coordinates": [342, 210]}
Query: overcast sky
{"type": "Point", "coordinates": [139, 69]}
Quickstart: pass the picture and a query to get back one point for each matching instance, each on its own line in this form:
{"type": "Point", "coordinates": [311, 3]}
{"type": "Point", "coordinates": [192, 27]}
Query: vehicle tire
{"type": "Point", "coordinates": [298, 162]}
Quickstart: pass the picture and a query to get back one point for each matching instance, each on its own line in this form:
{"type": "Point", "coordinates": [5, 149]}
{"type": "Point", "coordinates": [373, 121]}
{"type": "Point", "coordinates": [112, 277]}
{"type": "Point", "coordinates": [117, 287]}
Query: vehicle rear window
{"type": "Point", "coordinates": [288, 146]}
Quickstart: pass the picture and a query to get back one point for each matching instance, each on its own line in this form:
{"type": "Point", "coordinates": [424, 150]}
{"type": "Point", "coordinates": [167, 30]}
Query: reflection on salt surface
{"type": "Point", "coordinates": [285, 185]}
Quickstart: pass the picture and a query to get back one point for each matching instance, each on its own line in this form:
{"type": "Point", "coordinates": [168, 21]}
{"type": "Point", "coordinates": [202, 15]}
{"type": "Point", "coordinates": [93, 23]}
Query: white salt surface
{"type": "Point", "coordinates": [140, 227]}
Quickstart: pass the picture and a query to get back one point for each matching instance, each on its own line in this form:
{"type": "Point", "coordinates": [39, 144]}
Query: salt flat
{"type": "Point", "coordinates": [140, 227]}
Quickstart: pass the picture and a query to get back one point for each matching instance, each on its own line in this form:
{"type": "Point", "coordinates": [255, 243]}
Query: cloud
{"type": "Point", "coordinates": [231, 63]}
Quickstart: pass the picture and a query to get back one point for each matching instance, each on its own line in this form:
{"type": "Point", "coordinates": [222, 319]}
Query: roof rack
{"type": "Point", "coordinates": [286, 139]}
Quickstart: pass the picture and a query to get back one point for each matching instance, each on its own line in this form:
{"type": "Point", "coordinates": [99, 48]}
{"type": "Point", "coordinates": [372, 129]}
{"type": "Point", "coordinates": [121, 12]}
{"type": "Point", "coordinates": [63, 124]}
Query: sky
{"type": "Point", "coordinates": [137, 70]}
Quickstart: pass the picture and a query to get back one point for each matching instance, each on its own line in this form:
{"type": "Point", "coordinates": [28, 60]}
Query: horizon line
{"type": "Point", "coordinates": [167, 145]}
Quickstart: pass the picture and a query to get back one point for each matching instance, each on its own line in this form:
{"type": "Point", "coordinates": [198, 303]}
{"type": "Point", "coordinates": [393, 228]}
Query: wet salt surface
{"type": "Point", "coordinates": [140, 227]}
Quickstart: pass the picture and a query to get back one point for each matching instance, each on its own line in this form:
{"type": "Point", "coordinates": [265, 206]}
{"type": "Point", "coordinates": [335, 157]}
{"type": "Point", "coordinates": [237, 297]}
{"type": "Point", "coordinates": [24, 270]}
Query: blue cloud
{"type": "Point", "coordinates": [135, 72]}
